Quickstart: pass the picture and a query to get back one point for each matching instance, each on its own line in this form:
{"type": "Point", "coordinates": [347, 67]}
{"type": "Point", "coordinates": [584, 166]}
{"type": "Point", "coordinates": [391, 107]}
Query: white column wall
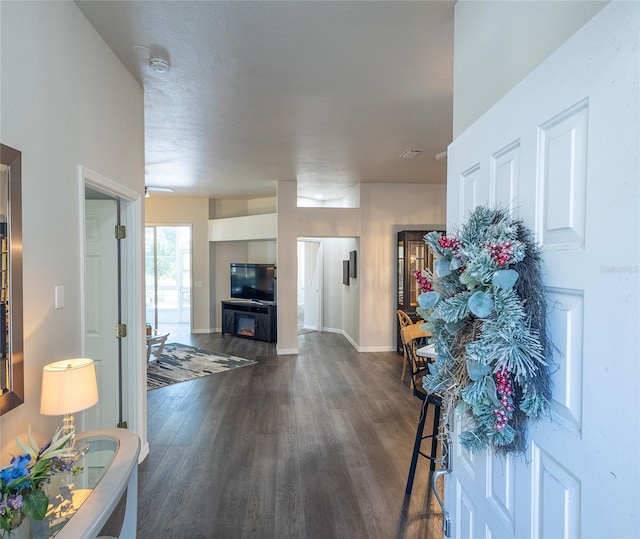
{"type": "Point", "coordinates": [66, 101]}
{"type": "Point", "coordinates": [383, 208]}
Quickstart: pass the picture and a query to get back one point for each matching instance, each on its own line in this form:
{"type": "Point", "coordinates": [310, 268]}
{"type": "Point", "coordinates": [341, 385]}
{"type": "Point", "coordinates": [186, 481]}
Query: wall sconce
{"type": "Point", "coordinates": [68, 386]}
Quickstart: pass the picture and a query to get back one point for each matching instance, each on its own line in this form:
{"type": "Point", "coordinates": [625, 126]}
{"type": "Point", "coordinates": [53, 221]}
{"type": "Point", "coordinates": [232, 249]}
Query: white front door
{"type": "Point", "coordinates": [101, 282]}
{"type": "Point", "coordinates": [561, 152]}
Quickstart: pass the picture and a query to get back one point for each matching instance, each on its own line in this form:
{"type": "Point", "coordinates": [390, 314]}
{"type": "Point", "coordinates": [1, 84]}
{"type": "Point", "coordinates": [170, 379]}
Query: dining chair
{"type": "Point", "coordinates": [413, 337]}
{"type": "Point", "coordinates": [405, 320]}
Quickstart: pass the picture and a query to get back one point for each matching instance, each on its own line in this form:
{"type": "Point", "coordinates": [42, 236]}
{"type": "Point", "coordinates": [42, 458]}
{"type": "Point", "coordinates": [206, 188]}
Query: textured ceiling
{"type": "Point", "coordinates": [325, 93]}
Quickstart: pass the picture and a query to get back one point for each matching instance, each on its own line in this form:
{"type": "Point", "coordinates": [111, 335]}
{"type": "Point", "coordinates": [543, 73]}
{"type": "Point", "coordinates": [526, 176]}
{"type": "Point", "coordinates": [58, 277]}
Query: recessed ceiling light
{"type": "Point", "coordinates": [410, 154]}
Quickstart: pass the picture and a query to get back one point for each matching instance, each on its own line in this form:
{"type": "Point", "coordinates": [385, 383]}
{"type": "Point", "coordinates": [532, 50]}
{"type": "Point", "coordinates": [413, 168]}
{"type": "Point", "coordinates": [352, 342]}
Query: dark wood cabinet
{"type": "Point", "coordinates": [250, 319]}
{"type": "Point", "coordinates": [412, 254]}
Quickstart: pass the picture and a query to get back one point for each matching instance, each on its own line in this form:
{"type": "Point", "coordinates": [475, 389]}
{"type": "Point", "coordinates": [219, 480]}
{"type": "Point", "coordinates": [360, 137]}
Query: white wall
{"type": "Point", "coordinates": [351, 296]}
{"type": "Point", "coordinates": [170, 210]}
{"type": "Point", "coordinates": [66, 101]}
{"type": "Point", "coordinates": [223, 253]}
{"type": "Point", "coordinates": [222, 209]}
{"type": "Point", "coordinates": [339, 302]}
{"type": "Point", "coordinates": [382, 208]}
{"type": "Point", "coordinates": [497, 43]}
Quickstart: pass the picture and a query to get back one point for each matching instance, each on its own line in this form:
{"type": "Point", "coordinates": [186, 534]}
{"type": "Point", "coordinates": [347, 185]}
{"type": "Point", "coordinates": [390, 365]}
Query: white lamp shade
{"type": "Point", "coordinates": [68, 386]}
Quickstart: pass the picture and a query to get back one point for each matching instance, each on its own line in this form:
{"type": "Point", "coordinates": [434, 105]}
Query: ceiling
{"type": "Point", "coordinates": [328, 93]}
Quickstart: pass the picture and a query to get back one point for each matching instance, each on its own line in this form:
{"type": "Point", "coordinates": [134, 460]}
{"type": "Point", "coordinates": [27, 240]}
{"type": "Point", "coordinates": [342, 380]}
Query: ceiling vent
{"type": "Point", "coordinates": [150, 188]}
{"type": "Point", "coordinates": [410, 154]}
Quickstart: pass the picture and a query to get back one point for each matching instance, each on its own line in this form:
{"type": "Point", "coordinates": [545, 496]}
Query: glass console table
{"type": "Point", "coordinates": [81, 502]}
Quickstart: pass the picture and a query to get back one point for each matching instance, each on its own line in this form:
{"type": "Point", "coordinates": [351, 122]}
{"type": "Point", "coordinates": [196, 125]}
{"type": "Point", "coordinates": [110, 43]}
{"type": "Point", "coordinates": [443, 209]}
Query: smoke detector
{"type": "Point", "coordinates": [156, 60]}
{"type": "Point", "coordinates": [159, 65]}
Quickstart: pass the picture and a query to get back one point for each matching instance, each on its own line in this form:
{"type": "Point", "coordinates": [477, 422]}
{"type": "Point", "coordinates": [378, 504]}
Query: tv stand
{"type": "Point", "coordinates": [251, 319]}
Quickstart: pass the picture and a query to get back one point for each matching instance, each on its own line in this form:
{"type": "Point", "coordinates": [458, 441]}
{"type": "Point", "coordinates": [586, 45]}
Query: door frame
{"type": "Point", "coordinates": [132, 295]}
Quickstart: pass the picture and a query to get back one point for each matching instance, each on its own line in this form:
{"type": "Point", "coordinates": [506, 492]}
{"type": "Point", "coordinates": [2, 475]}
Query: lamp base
{"type": "Point", "coordinates": [74, 452]}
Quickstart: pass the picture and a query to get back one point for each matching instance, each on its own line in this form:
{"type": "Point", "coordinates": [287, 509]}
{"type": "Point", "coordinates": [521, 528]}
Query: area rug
{"type": "Point", "coordinates": [180, 362]}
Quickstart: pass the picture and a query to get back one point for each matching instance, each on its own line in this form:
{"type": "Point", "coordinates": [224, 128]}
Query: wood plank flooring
{"type": "Point", "coordinates": [315, 445]}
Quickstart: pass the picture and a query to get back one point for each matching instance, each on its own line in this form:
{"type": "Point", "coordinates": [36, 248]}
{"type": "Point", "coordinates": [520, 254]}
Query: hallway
{"type": "Point", "coordinates": [315, 445]}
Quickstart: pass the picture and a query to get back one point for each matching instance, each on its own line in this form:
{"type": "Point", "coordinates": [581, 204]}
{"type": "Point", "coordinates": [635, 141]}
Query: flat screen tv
{"type": "Point", "coordinates": [253, 281]}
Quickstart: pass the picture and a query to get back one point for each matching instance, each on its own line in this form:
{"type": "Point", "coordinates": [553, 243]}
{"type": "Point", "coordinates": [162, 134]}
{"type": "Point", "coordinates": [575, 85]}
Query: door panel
{"type": "Point", "coordinates": [563, 182]}
{"type": "Point", "coordinates": [561, 152]}
{"type": "Point", "coordinates": [101, 282]}
{"type": "Point", "coordinates": [567, 319]}
{"type": "Point", "coordinates": [505, 178]}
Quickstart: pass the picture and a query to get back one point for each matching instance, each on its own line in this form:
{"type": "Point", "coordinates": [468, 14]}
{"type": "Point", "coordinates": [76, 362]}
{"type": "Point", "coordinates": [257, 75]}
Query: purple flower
{"type": "Point", "coordinates": [61, 465]}
{"type": "Point", "coordinates": [14, 501]}
{"type": "Point", "coordinates": [43, 449]}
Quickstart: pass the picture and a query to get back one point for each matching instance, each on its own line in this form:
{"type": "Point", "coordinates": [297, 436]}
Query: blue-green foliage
{"type": "Point", "coordinates": [453, 309]}
{"type": "Point", "coordinates": [475, 394]}
{"type": "Point", "coordinates": [533, 403]}
{"type": "Point", "coordinates": [503, 342]}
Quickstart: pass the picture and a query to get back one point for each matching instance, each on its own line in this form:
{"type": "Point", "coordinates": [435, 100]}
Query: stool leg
{"type": "Point", "coordinates": [416, 448]}
{"type": "Point", "coordinates": [434, 436]}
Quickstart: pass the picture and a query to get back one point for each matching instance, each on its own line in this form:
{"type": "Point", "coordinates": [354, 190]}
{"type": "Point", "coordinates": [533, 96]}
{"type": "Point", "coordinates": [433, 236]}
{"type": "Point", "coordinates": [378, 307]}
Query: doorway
{"type": "Point", "coordinates": [309, 285]}
{"type": "Point", "coordinates": [111, 284]}
{"type": "Point", "coordinates": [168, 277]}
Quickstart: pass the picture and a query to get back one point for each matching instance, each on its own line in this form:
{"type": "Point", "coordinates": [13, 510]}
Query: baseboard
{"type": "Point", "coordinates": [210, 330]}
{"type": "Point", "coordinates": [286, 351]}
{"type": "Point", "coordinates": [351, 341]}
{"type": "Point", "coordinates": [376, 349]}
{"type": "Point", "coordinates": [357, 347]}
{"type": "Point", "coordinates": [144, 452]}
{"type": "Point", "coordinates": [333, 330]}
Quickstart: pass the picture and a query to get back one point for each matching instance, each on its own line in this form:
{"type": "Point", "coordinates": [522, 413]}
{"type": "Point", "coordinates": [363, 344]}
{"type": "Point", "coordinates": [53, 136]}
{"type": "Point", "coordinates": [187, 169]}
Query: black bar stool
{"type": "Point", "coordinates": [418, 368]}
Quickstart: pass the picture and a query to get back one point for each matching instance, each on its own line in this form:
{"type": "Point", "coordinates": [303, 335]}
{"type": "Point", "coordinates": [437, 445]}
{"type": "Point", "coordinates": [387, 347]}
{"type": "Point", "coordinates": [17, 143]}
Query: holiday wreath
{"type": "Point", "coordinates": [485, 309]}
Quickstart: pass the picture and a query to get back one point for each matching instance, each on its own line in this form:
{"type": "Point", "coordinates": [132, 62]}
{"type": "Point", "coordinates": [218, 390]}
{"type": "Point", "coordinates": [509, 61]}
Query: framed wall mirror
{"type": "Point", "coordinates": [11, 357]}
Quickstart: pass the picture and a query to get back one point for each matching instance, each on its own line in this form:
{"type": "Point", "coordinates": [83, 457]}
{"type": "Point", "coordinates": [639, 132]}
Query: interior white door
{"type": "Point", "coordinates": [561, 152]}
{"type": "Point", "coordinates": [101, 292]}
{"type": "Point", "coordinates": [311, 285]}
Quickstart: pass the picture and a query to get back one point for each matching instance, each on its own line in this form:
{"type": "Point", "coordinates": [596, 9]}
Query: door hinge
{"type": "Point", "coordinates": [121, 232]}
{"type": "Point", "coordinates": [121, 331]}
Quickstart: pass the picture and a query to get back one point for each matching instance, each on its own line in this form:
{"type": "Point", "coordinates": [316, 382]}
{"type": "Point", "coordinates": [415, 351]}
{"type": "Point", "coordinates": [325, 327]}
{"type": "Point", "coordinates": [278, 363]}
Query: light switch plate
{"type": "Point", "coordinates": [59, 296]}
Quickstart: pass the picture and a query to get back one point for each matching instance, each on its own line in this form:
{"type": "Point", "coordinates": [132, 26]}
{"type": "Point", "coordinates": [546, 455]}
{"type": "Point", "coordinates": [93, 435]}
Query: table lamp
{"type": "Point", "coordinates": [68, 386]}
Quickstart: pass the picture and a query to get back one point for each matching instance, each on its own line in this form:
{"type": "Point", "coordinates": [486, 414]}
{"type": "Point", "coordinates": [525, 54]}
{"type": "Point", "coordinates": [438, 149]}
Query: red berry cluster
{"type": "Point", "coordinates": [504, 386]}
{"type": "Point", "coordinates": [449, 243]}
{"type": "Point", "coordinates": [500, 252]}
{"type": "Point", "coordinates": [423, 282]}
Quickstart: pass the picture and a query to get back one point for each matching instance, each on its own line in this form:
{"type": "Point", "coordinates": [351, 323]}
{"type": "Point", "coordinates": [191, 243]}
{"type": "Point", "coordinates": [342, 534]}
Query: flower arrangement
{"type": "Point", "coordinates": [486, 314]}
{"type": "Point", "coordinates": [22, 482]}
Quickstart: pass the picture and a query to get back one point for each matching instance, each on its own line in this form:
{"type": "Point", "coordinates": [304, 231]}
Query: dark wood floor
{"type": "Point", "coordinates": [315, 445]}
